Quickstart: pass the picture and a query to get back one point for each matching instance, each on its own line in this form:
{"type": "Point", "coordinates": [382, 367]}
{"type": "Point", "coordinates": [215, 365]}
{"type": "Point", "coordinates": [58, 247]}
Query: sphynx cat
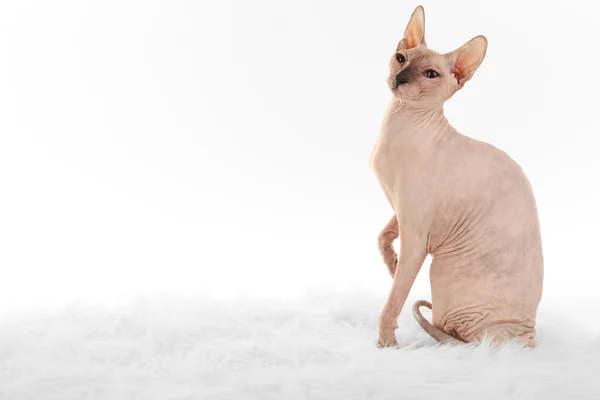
{"type": "Point", "coordinates": [465, 202]}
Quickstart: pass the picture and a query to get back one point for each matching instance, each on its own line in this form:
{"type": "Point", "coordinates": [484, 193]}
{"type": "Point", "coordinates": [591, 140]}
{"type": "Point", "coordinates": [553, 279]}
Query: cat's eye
{"type": "Point", "coordinates": [431, 74]}
{"type": "Point", "coordinates": [400, 58]}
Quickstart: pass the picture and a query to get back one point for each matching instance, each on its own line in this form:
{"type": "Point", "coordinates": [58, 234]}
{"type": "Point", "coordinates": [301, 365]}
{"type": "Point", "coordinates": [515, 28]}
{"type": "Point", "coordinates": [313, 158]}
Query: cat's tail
{"type": "Point", "coordinates": [432, 330]}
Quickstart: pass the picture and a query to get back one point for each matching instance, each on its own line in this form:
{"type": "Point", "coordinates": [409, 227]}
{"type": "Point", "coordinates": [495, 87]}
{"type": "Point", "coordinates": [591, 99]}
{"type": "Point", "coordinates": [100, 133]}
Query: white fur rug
{"type": "Point", "coordinates": [320, 348]}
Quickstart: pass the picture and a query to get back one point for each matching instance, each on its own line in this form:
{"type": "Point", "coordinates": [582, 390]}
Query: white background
{"type": "Point", "coordinates": [221, 148]}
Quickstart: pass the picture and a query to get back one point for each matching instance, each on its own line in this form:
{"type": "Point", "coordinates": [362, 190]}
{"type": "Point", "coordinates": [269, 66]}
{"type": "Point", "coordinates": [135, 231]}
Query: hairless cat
{"type": "Point", "coordinates": [465, 202]}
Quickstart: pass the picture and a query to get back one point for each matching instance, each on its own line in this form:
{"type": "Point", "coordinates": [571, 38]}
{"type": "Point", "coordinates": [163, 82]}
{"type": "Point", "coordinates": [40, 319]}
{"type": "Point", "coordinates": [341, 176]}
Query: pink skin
{"type": "Point", "coordinates": [463, 201]}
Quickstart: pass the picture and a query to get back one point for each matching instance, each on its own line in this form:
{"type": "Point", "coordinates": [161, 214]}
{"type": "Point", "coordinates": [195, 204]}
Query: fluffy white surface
{"type": "Point", "coordinates": [322, 347]}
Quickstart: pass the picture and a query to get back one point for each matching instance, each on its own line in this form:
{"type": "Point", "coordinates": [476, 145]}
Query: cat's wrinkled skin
{"type": "Point", "coordinates": [463, 201]}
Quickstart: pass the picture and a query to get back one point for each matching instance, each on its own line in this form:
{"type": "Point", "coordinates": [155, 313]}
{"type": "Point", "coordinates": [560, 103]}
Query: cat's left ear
{"type": "Point", "coordinates": [466, 59]}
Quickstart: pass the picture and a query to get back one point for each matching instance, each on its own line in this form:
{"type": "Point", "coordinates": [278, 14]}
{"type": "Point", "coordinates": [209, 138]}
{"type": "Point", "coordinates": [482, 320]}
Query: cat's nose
{"type": "Point", "coordinates": [403, 77]}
